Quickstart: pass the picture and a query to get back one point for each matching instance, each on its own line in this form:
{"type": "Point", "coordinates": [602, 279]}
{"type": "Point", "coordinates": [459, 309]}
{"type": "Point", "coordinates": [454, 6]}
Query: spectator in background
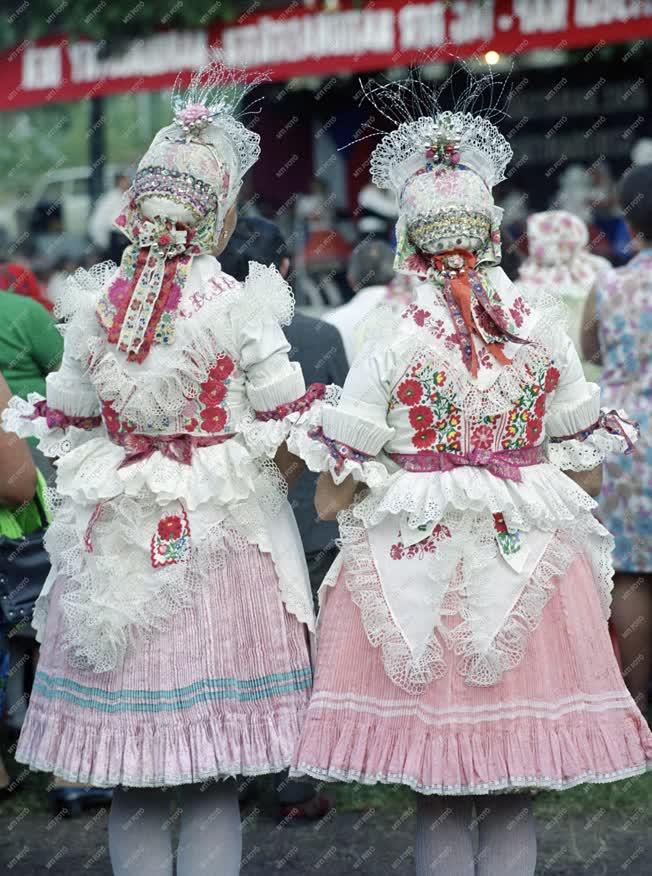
{"type": "Point", "coordinates": [18, 278]}
{"type": "Point", "coordinates": [559, 261]}
{"type": "Point", "coordinates": [105, 237]}
{"type": "Point", "coordinates": [371, 269]}
{"type": "Point", "coordinates": [17, 487]}
{"type": "Point", "coordinates": [318, 349]}
{"type": "Point", "coordinates": [616, 333]}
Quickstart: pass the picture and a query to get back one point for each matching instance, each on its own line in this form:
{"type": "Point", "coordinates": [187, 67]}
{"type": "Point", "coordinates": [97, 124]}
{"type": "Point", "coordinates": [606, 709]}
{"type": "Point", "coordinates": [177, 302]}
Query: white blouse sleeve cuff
{"type": "Point", "coordinates": [56, 432]}
{"type": "Point", "coordinates": [269, 396]}
{"type": "Point", "coordinates": [574, 416]}
{"type": "Point", "coordinates": [587, 448]}
{"type": "Point", "coordinates": [312, 441]}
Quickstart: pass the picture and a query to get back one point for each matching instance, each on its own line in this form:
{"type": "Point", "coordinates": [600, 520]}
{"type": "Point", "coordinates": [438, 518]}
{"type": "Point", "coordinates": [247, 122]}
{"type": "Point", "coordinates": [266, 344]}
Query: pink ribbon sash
{"type": "Point", "coordinates": [57, 419]}
{"type": "Point", "coordinates": [504, 464]}
{"type": "Point", "coordinates": [179, 448]}
{"type": "Point", "coordinates": [611, 422]}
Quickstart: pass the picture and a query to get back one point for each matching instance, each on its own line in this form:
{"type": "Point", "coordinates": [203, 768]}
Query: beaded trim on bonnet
{"type": "Point", "coordinates": [185, 184]}
{"type": "Point", "coordinates": [441, 166]}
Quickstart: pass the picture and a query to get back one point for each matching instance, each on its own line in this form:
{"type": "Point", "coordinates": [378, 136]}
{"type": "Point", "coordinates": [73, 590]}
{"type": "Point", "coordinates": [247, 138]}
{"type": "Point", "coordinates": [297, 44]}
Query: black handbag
{"type": "Point", "coordinates": [24, 566]}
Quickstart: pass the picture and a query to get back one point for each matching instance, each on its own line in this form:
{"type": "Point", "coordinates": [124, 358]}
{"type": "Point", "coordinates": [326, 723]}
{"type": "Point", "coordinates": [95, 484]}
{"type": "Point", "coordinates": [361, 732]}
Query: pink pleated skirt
{"type": "Point", "coordinates": [562, 717]}
{"type": "Point", "coordinates": [222, 692]}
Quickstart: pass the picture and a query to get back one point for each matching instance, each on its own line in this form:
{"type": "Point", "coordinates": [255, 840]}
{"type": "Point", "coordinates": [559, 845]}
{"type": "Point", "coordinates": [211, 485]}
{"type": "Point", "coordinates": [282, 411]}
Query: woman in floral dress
{"type": "Point", "coordinates": [618, 322]}
{"type": "Point", "coordinates": [463, 647]}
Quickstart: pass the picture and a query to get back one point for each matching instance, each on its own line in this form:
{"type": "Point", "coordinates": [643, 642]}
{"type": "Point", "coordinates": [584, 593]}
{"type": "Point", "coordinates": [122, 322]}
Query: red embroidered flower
{"type": "Point", "coordinates": [482, 437]}
{"type": "Point", "coordinates": [499, 523]}
{"type": "Point", "coordinates": [164, 240]}
{"type": "Point", "coordinates": [170, 527]}
{"type": "Point", "coordinates": [396, 551]}
{"type": "Point", "coordinates": [222, 368]}
{"type": "Point", "coordinates": [552, 379]}
{"type": "Point", "coordinates": [110, 417]}
{"type": "Point", "coordinates": [420, 316]}
{"type": "Point", "coordinates": [540, 406]}
{"type": "Point", "coordinates": [213, 419]}
{"type": "Point", "coordinates": [533, 430]}
{"type": "Point", "coordinates": [424, 438]}
{"type": "Point", "coordinates": [420, 416]}
{"type": "Point", "coordinates": [191, 425]}
{"type": "Point", "coordinates": [410, 392]}
{"type": "Point", "coordinates": [212, 393]}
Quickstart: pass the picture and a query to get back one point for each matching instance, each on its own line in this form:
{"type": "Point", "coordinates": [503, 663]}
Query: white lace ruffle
{"type": "Point", "coordinates": [482, 662]}
{"type": "Point", "coordinates": [578, 454]}
{"type": "Point", "coordinates": [545, 499]}
{"type": "Point", "coordinates": [53, 443]}
{"type": "Point", "coordinates": [318, 457]}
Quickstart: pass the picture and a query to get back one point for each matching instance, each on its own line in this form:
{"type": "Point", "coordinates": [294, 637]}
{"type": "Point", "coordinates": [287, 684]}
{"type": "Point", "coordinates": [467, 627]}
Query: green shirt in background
{"type": "Point", "coordinates": [30, 345]}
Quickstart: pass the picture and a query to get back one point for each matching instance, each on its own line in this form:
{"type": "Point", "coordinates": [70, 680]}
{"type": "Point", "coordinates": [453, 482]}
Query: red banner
{"type": "Point", "coordinates": [299, 42]}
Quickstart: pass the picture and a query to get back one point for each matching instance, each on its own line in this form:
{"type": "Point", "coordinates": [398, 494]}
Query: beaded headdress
{"type": "Point", "coordinates": [442, 165]}
{"type": "Point", "coordinates": [185, 184]}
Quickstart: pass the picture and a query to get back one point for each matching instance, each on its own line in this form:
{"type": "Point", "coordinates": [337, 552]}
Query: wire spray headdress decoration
{"type": "Point", "coordinates": [185, 184]}
{"type": "Point", "coordinates": [442, 164]}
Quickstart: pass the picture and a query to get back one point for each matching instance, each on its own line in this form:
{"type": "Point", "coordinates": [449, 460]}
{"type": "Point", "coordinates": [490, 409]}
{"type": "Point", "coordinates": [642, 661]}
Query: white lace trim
{"type": "Point", "coordinates": [482, 663]}
{"type": "Point", "coordinates": [53, 443]}
{"type": "Point", "coordinates": [513, 783]}
{"type": "Point", "coordinates": [583, 455]}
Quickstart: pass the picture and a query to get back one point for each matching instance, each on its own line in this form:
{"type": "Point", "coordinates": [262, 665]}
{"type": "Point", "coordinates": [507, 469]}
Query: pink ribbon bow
{"type": "Point", "coordinates": [178, 448]}
{"type": "Point", "coordinates": [57, 419]}
{"type": "Point", "coordinates": [612, 422]}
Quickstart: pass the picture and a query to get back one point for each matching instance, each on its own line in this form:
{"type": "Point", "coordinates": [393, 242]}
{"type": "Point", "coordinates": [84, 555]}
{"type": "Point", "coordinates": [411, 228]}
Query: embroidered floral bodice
{"type": "Point", "coordinates": [166, 460]}
{"type": "Point", "coordinates": [468, 514]}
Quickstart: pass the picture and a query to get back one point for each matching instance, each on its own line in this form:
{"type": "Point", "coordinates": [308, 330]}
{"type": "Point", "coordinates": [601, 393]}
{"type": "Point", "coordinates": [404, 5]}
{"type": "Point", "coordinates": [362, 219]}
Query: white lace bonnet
{"type": "Point", "coordinates": [195, 166]}
{"type": "Point", "coordinates": [441, 165]}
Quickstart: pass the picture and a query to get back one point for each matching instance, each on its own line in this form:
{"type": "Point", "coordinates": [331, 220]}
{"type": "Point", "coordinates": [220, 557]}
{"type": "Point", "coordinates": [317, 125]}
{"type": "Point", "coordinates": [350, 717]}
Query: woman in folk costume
{"type": "Point", "coordinates": [463, 645]}
{"type": "Point", "coordinates": [174, 620]}
{"type": "Point", "coordinates": [558, 259]}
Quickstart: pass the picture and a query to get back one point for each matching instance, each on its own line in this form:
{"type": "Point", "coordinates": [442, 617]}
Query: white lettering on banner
{"type": "Point", "coordinates": [589, 13]}
{"type": "Point", "coordinates": [274, 40]}
{"type": "Point", "coordinates": [163, 53]}
{"type": "Point", "coordinates": [471, 21]}
{"type": "Point", "coordinates": [421, 26]}
{"type": "Point", "coordinates": [41, 67]}
{"type": "Point", "coordinates": [541, 15]}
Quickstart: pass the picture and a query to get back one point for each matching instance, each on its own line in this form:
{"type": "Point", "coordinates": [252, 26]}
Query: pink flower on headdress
{"type": "Point", "coordinates": [121, 220]}
{"type": "Point", "coordinates": [192, 115]}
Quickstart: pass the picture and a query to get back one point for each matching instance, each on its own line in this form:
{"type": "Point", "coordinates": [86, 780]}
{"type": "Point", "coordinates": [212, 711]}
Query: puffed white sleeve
{"type": "Point", "coordinates": [348, 437]}
{"type": "Point", "coordinates": [275, 386]}
{"type": "Point", "coordinates": [580, 433]}
{"type": "Point", "coordinates": [69, 415]}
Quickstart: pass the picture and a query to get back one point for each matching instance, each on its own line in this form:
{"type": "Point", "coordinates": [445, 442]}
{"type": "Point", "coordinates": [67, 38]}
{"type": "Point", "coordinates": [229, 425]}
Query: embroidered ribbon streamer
{"type": "Point", "coordinates": [161, 244]}
{"type": "Point", "coordinates": [465, 292]}
{"type": "Point", "coordinates": [178, 448]}
{"type": "Point", "coordinates": [339, 451]}
{"type": "Point", "coordinates": [505, 464]}
{"type": "Point", "coordinates": [57, 419]}
{"type": "Point", "coordinates": [315, 392]}
{"type": "Point", "coordinates": [611, 422]}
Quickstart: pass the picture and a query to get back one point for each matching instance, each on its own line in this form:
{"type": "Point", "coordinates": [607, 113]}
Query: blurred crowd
{"type": "Point", "coordinates": [342, 270]}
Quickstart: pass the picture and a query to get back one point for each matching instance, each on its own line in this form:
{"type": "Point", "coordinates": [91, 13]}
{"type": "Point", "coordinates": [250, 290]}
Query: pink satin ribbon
{"type": "Point", "coordinates": [611, 422]}
{"type": "Point", "coordinates": [504, 464]}
{"type": "Point", "coordinates": [178, 448]}
{"type": "Point", "coordinates": [57, 419]}
{"type": "Point", "coordinates": [298, 406]}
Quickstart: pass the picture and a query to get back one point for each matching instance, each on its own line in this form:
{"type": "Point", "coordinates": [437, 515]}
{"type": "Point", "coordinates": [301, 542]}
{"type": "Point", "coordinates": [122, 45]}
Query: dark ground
{"type": "Point", "coordinates": [375, 841]}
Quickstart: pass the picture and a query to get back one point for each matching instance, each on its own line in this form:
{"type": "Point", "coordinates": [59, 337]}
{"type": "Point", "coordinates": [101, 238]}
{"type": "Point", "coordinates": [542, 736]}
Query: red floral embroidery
{"type": "Point", "coordinates": [420, 416]}
{"type": "Point", "coordinates": [482, 437]}
{"type": "Point", "coordinates": [398, 551]}
{"type": "Point", "coordinates": [499, 523]}
{"type": "Point", "coordinates": [222, 369]}
{"type": "Point", "coordinates": [213, 393]}
{"type": "Point", "coordinates": [533, 430]}
{"type": "Point", "coordinates": [552, 379]}
{"type": "Point", "coordinates": [424, 438]}
{"type": "Point", "coordinates": [213, 419]}
{"type": "Point", "coordinates": [540, 407]}
{"type": "Point", "coordinates": [409, 392]}
{"type": "Point", "coordinates": [111, 419]}
{"type": "Point", "coordinates": [518, 310]}
{"type": "Point", "coordinates": [170, 527]}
